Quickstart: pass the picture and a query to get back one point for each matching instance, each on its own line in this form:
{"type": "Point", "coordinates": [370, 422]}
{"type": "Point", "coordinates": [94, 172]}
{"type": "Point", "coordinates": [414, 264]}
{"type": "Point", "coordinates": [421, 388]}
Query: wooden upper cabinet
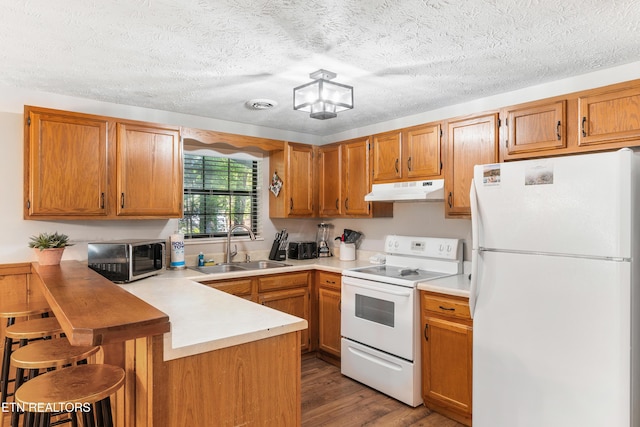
{"type": "Point", "coordinates": [149, 170]}
{"type": "Point", "coordinates": [356, 183]}
{"type": "Point", "coordinates": [330, 180]}
{"type": "Point", "coordinates": [66, 165]}
{"type": "Point", "coordinates": [409, 154]}
{"type": "Point", "coordinates": [387, 156]}
{"type": "Point", "coordinates": [535, 128]}
{"type": "Point", "coordinates": [74, 170]}
{"type": "Point", "coordinates": [470, 141]}
{"type": "Point", "coordinates": [295, 167]}
{"type": "Point", "coordinates": [422, 152]}
{"type": "Point", "coordinates": [300, 171]}
{"type": "Point", "coordinates": [608, 117]}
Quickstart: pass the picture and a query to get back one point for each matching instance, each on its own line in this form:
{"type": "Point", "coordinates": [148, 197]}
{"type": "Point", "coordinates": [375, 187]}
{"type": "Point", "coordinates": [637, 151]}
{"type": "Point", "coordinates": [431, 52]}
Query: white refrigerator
{"type": "Point", "coordinates": [554, 292]}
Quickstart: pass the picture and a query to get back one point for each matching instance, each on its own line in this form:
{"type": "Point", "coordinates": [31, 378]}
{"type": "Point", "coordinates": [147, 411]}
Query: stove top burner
{"type": "Point", "coordinates": [399, 273]}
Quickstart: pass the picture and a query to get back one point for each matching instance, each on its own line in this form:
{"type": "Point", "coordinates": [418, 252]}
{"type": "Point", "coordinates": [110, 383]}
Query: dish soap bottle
{"type": "Point", "coordinates": [200, 259]}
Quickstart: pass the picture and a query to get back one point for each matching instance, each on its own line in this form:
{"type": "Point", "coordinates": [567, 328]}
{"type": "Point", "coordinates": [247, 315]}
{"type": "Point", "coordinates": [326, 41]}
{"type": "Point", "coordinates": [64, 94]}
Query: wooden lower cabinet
{"type": "Point", "coordinates": [15, 287]}
{"type": "Point", "coordinates": [287, 292]}
{"type": "Point", "coordinates": [243, 288]}
{"type": "Point", "coordinates": [329, 300]}
{"type": "Point", "coordinates": [447, 345]}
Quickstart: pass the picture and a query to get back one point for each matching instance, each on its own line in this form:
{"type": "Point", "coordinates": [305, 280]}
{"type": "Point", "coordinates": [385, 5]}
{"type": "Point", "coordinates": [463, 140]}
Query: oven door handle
{"type": "Point", "coordinates": [385, 291]}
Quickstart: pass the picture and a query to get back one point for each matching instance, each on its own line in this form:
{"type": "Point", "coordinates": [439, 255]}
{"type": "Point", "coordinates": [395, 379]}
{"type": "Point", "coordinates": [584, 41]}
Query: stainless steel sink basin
{"type": "Point", "coordinates": [239, 266]}
{"type": "Point", "coordinates": [259, 265]}
{"type": "Point", "coordinates": [220, 268]}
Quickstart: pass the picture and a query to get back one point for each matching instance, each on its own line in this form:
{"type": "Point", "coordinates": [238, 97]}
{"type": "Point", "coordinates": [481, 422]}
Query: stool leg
{"type": "Point", "coordinates": [87, 418]}
{"type": "Point", "coordinates": [6, 361]}
{"type": "Point", "coordinates": [99, 414]}
{"type": "Point", "coordinates": [106, 410]}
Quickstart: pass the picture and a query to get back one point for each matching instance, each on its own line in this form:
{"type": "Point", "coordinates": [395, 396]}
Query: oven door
{"type": "Point", "coordinates": [379, 315]}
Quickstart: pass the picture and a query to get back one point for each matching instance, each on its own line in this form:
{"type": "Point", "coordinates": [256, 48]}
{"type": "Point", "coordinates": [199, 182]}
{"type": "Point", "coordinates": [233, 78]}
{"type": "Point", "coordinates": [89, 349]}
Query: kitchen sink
{"type": "Point", "coordinates": [259, 265]}
{"type": "Point", "coordinates": [239, 266]}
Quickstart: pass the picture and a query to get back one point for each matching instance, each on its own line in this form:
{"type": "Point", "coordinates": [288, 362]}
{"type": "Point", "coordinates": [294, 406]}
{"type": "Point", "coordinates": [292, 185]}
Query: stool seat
{"type": "Point", "coordinates": [76, 384]}
{"type": "Point", "coordinates": [23, 309]}
{"type": "Point", "coordinates": [50, 354]}
{"type": "Point", "coordinates": [35, 328]}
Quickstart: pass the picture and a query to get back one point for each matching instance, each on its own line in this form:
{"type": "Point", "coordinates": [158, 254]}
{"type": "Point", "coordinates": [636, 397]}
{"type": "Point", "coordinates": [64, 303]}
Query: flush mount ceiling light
{"type": "Point", "coordinates": [323, 99]}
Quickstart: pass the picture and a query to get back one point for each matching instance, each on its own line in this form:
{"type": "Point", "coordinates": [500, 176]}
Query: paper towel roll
{"type": "Point", "coordinates": [177, 251]}
{"type": "Point", "coordinates": [347, 251]}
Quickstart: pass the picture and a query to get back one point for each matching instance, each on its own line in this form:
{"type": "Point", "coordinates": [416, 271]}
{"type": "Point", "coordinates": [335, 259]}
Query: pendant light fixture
{"type": "Point", "coordinates": [322, 98]}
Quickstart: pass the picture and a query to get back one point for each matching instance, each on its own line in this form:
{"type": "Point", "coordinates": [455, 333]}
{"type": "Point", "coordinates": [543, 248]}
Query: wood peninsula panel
{"type": "Point", "coordinates": [256, 383]}
{"type": "Point", "coordinates": [92, 310]}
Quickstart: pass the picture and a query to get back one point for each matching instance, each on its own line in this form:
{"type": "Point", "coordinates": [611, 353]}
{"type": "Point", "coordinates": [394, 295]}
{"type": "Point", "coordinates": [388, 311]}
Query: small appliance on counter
{"type": "Point", "coordinates": [322, 240]}
{"type": "Point", "coordinates": [123, 261]}
{"type": "Point", "coordinates": [302, 250]}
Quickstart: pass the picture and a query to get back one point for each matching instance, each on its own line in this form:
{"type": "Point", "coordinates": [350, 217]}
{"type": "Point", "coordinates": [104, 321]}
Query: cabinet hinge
{"type": "Point", "coordinates": [28, 121]}
{"type": "Point", "coordinates": [506, 122]}
{"type": "Point", "coordinates": [369, 146]}
{"type": "Point", "coordinates": [441, 133]}
{"type": "Point", "coordinates": [440, 165]}
{"type": "Point", "coordinates": [499, 123]}
{"type": "Point", "coordinates": [28, 204]}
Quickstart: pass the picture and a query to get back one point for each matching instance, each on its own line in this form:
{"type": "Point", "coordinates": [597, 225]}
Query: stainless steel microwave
{"type": "Point", "coordinates": [124, 261]}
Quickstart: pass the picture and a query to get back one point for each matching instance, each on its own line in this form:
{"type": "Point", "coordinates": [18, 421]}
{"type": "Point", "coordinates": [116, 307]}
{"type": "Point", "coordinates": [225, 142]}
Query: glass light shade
{"type": "Point", "coordinates": [322, 98]}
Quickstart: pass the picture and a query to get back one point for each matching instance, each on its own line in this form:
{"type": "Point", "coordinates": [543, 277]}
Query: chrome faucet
{"type": "Point", "coordinates": [231, 254]}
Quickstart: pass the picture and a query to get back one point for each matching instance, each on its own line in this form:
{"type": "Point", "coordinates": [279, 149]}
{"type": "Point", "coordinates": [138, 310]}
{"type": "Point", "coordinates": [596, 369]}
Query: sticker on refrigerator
{"type": "Point", "coordinates": [491, 174]}
{"type": "Point", "coordinates": [538, 174]}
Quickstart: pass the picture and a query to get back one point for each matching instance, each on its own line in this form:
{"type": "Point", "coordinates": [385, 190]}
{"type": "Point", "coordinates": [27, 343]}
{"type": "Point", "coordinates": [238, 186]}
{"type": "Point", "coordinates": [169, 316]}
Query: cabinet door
{"type": "Point", "coordinates": [65, 165]}
{"type": "Point", "coordinates": [609, 117]}
{"type": "Point", "coordinates": [238, 287]}
{"type": "Point", "coordinates": [447, 364]}
{"type": "Point", "coordinates": [329, 320]}
{"type": "Point", "coordinates": [330, 180]}
{"type": "Point", "coordinates": [300, 183]}
{"type": "Point", "coordinates": [149, 170]}
{"type": "Point", "coordinates": [387, 152]}
{"type": "Point", "coordinates": [536, 128]}
{"type": "Point", "coordinates": [471, 141]}
{"type": "Point", "coordinates": [423, 152]}
{"type": "Point", "coordinates": [356, 182]}
{"type": "Point", "coordinates": [294, 302]}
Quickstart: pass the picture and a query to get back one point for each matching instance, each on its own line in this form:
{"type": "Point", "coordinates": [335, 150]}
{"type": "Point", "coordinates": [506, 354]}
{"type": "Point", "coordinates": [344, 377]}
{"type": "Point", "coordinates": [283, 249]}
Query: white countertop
{"type": "Point", "coordinates": [457, 285]}
{"type": "Point", "coordinates": [205, 319]}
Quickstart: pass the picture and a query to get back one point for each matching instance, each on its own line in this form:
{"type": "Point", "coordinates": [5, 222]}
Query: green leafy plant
{"type": "Point", "coordinates": [48, 241]}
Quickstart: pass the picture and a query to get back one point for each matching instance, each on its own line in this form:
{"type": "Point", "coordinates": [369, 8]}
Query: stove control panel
{"type": "Point", "coordinates": [428, 247]}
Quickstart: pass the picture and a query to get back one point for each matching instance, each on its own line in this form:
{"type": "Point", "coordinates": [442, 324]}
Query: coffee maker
{"type": "Point", "coordinates": [322, 239]}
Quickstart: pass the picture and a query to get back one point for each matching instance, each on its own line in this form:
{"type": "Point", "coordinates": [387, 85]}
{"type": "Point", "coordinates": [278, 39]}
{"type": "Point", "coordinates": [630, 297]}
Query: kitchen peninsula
{"type": "Point", "coordinates": [193, 355]}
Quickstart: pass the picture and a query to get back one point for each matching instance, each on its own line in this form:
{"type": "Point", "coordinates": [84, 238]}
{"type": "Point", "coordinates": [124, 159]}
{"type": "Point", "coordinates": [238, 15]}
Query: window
{"type": "Point", "coordinates": [219, 191]}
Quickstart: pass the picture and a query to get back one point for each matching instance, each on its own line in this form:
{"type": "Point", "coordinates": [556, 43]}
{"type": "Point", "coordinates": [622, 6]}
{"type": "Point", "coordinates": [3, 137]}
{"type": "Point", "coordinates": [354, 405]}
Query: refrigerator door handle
{"type": "Point", "coordinates": [474, 282]}
{"type": "Point", "coordinates": [473, 198]}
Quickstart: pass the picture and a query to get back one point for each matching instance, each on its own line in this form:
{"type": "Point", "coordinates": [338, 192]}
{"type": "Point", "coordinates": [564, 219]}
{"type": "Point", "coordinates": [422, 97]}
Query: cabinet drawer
{"type": "Point", "coordinates": [240, 287]}
{"type": "Point", "coordinates": [329, 280]}
{"type": "Point", "coordinates": [283, 281]}
{"type": "Point", "coordinates": [446, 306]}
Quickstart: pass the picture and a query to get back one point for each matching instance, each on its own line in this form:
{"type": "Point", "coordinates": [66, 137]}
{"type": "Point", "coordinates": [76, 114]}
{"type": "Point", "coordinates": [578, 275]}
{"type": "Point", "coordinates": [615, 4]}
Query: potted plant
{"type": "Point", "coordinates": [49, 247]}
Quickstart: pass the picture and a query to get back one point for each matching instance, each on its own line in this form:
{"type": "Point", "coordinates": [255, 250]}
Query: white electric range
{"type": "Point", "coordinates": [380, 313]}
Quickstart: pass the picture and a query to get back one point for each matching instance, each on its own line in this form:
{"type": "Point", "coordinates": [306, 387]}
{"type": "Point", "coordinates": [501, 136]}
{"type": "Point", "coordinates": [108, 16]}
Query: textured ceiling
{"type": "Point", "coordinates": [208, 57]}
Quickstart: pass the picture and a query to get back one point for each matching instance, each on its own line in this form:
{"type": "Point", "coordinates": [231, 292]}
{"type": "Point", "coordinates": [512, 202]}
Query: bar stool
{"type": "Point", "coordinates": [49, 354]}
{"type": "Point", "coordinates": [73, 389]}
{"type": "Point", "coordinates": [10, 312]}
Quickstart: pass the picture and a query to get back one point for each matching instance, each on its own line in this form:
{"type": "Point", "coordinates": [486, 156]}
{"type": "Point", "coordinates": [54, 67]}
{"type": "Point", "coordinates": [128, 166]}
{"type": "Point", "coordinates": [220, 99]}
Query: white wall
{"type": "Point", "coordinates": [425, 219]}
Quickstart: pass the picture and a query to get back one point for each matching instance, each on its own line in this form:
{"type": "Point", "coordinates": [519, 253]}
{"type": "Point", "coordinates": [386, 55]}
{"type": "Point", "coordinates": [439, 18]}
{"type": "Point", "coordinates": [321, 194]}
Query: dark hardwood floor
{"type": "Point", "coordinates": [331, 399]}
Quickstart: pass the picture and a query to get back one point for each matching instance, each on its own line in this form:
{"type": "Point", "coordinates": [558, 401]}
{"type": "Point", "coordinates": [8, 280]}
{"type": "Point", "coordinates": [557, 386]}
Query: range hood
{"type": "Point", "coordinates": [410, 191]}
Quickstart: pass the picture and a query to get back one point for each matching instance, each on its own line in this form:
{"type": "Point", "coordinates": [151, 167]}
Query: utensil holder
{"type": "Point", "coordinates": [347, 251]}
